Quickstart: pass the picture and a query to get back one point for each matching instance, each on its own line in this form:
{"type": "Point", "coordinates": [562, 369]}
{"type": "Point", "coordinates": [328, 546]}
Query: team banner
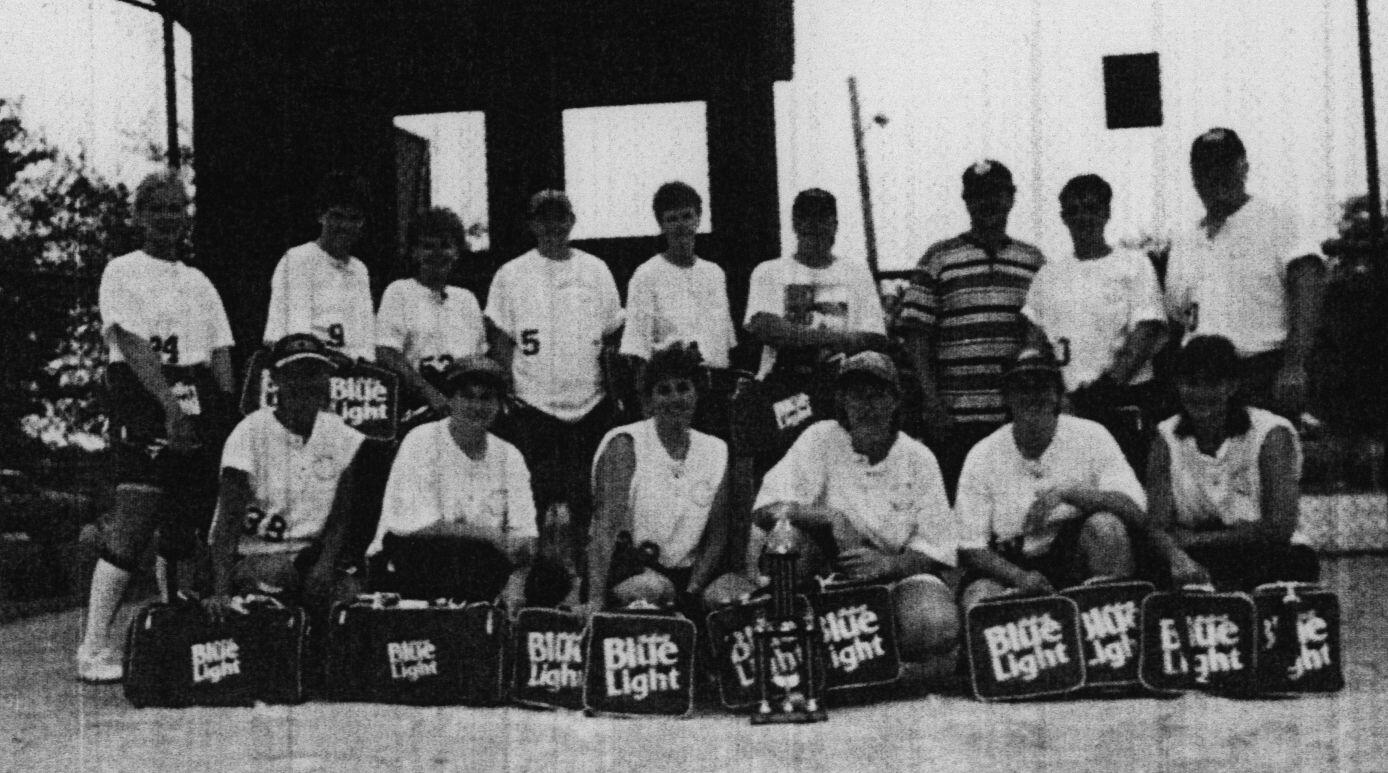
{"type": "Point", "coordinates": [732, 640]}
{"type": "Point", "coordinates": [548, 658]}
{"type": "Point", "coordinates": [179, 655]}
{"type": "Point", "coordinates": [1299, 638]}
{"type": "Point", "coordinates": [365, 396]}
{"type": "Point", "coordinates": [1024, 647]}
{"type": "Point", "coordinates": [639, 664]}
{"type": "Point", "coordinates": [857, 626]}
{"type": "Point", "coordinates": [1111, 629]}
{"type": "Point", "coordinates": [415, 652]}
{"type": "Point", "coordinates": [1196, 639]}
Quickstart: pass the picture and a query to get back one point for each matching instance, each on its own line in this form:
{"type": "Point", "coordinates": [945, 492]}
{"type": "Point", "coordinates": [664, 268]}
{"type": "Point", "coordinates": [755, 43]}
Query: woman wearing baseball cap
{"type": "Point", "coordinates": [869, 502]}
{"type": "Point", "coordinates": [1224, 480]}
{"type": "Point", "coordinates": [458, 518]}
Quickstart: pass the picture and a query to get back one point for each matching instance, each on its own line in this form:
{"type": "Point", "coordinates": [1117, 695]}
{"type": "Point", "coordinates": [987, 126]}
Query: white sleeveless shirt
{"type": "Point", "coordinates": [669, 499]}
{"type": "Point", "coordinates": [1226, 488]}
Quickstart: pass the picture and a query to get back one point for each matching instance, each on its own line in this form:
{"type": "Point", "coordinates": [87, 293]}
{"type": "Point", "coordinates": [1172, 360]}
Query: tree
{"type": "Point", "coordinates": [60, 223]}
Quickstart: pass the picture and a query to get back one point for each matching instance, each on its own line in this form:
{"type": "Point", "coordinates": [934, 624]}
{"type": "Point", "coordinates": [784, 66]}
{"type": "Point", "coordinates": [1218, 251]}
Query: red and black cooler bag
{"type": "Point", "coordinates": [1110, 630]}
{"type": "Point", "coordinates": [1299, 638]}
{"type": "Point", "coordinates": [639, 663]}
{"type": "Point", "coordinates": [1197, 639]}
{"type": "Point", "coordinates": [857, 626]}
{"type": "Point", "coordinates": [179, 655]}
{"type": "Point", "coordinates": [733, 647]}
{"type": "Point", "coordinates": [548, 658]}
{"type": "Point", "coordinates": [415, 652]}
{"type": "Point", "coordinates": [1024, 647]}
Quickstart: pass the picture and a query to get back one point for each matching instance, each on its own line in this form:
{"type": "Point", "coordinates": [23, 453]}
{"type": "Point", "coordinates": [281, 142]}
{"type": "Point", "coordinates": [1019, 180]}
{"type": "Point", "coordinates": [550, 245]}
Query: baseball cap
{"type": "Point", "coordinates": [814, 203]}
{"type": "Point", "coordinates": [1216, 148]}
{"type": "Point", "coordinates": [550, 202]}
{"type": "Point", "coordinates": [1032, 367]}
{"type": "Point", "coordinates": [476, 369]}
{"type": "Point", "coordinates": [987, 176]}
{"type": "Point", "coordinates": [873, 365]}
{"type": "Point", "coordinates": [300, 347]}
{"type": "Point", "coordinates": [1208, 357]}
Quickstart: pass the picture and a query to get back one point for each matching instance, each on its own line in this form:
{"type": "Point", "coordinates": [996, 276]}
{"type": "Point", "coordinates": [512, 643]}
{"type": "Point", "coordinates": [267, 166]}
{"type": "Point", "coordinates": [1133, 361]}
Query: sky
{"type": "Point", "coordinates": [956, 80]}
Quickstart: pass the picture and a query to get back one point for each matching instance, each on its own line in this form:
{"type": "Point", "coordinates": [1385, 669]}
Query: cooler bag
{"type": "Point", "coordinates": [1196, 639]}
{"type": "Point", "coordinates": [414, 652]}
{"type": "Point", "coordinates": [547, 653]}
{"type": "Point", "coordinates": [178, 655]}
{"type": "Point", "coordinates": [1299, 638]}
{"type": "Point", "coordinates": [857, 627]}
{"type": "Point", "coordinates": [1024, 647]}
{"type": "Point", "coordinates": [639, 663]}
{"type": "Point", "coordinates": [733, 647]}
{"type": "Point", "coordinates": [1110, 630]}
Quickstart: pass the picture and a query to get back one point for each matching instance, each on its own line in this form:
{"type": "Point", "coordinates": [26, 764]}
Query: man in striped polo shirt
{"type": "Point", "coordinates": [960, 319]}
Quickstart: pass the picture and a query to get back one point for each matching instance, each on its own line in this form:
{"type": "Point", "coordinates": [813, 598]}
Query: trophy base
{"type": "Point", "coordinates": [789, 718]}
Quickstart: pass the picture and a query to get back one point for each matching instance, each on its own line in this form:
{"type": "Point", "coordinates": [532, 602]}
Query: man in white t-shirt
{"type": "Point", "coordinates": [287, 489]}
{"type": "Point", "coordinates": [1245, 271]}
{"type": "Point", "coordinates": [1045, 501]}
{"type": "Point", "coordinates": [1100, 308]}
{"type": "Point", "coordinates": [678, 297]}
{"type": "Point", "coordinates": [425, 324]}
{"type": "Point", "coordinates": [318, 287]}
{"type": "Point", "coordinates": [805, 309]}
{"type": "Point", "coordinates": [553, 319]}
{"type": "Point", "coordinates": [168, 396]}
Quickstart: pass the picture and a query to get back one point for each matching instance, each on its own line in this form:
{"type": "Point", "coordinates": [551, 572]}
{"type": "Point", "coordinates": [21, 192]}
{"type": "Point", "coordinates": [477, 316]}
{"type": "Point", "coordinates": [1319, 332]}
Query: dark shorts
{"type": "Point", "coordinates": [559, 454]}
{"type": "Point", "coordinates": [1251, 565]}
{"type": "Point", "coordinates": [1129, 413]}
{"type": "Point", "coordinates": [768, 415]}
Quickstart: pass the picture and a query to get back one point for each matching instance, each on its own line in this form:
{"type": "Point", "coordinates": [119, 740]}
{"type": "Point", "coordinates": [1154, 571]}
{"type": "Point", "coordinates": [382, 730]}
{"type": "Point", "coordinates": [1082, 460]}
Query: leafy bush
{"type": "Point", "coordinates": [60, 223]}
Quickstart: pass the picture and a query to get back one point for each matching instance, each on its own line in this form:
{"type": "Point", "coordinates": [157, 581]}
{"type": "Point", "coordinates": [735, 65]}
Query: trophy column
{"type": "Point", "coordinates": [784, 640]}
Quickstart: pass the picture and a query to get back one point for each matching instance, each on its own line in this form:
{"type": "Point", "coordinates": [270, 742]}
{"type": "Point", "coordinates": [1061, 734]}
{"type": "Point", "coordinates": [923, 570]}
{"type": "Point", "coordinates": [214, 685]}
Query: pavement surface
{"type": "Point", "coordinates": [51, 722]}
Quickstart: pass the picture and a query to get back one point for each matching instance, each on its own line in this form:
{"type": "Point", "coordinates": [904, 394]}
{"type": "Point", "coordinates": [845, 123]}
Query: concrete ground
{"type": "Point", "coordinates": [50, 722]}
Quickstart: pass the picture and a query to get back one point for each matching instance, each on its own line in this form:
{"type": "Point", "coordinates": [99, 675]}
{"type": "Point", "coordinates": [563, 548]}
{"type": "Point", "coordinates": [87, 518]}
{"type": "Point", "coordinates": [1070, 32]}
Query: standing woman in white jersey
{"type": "Point", "coordinates": [660, 491]}
{"type": "Point", "coordinates": [426, 324]}
{"type": "Point", "coordinates": [169, 383]}
{"type": "Point", "coordinates": [318, 287]}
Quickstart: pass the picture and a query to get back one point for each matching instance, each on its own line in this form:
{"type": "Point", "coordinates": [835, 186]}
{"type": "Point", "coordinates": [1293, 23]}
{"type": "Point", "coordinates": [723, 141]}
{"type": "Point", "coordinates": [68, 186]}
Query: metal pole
{"type": "Point", "coordinates": [1366, 79]}
{"type": "Point", "coordinates": [174, 155]}
{"type": "Point", "coordinates": [864, 188]}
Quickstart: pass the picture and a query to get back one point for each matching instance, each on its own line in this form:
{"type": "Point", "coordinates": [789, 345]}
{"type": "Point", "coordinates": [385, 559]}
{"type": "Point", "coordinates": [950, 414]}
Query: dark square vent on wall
{"type": "Point", "coordinates": [1132, 91]}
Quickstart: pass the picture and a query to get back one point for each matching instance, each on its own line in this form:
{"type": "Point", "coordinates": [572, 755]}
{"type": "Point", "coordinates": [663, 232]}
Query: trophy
{"type": "Point", "coordinates": [784, 641]}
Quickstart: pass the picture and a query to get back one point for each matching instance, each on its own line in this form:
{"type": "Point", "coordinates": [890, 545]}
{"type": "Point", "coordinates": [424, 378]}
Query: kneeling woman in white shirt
{"type": "Point", "coordinates": [1224, 480]}
{"type": "Point", "coordinates": [458, 519]}
{"type": "Point", "coordinates": [660, 491]}
{"type": "Point", "coordinates": [868, 501]}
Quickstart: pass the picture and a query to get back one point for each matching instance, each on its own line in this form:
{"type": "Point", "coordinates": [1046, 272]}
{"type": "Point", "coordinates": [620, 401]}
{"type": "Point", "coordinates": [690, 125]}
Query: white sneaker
{"type": "Point", "coordinates": [99, 665]}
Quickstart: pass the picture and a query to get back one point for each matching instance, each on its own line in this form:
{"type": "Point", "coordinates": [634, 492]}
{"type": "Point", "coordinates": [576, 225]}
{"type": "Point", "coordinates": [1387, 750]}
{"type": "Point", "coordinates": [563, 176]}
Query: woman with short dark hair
{"type": "Point", "coordinates": [1223, 481]}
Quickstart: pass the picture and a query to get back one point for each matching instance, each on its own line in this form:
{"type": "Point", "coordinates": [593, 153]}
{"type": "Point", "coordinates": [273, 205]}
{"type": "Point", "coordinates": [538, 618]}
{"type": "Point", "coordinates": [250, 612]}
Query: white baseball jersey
{"type": "Point", "coordinates": [667, 303]}
{"type": "Point", "coordinates": [998, 484]}
{"type": "Point", "coordinates": [895, 504]}
{"type": "Point", "coordinates": [432, 481]}
{"type": "Point", "coordinates": [1227, 488]}
{"type": "Point", "coordinates": [839, 297]}
{"type": "Point", "coordinates": [431, 330]}
{"type": "Point", "coordinates": [1235, 284]}
{"type": "Point", "coordinates": [669, 499]}
{"type": "Point", "coordinates": [168, 303]}
{"type": "Point", "coordinates": [1088, 308]}
{"type": "Point", "coordinates": [557, 312]}
{"type": "Point", "coordinates": [293, 482]}
{"type": "Point", "coordinates": [313, 292]}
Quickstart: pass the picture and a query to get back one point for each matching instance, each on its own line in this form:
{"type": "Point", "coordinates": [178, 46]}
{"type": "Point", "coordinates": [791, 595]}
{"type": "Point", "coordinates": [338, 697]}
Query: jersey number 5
{"type": "Point", "coordinates": [166, 348]}
{"type": "Point", "coordinates": [530, 341]}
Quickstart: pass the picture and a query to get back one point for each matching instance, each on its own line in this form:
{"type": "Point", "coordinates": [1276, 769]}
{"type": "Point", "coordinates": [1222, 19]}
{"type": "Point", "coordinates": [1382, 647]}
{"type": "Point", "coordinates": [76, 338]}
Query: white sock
{"type": "Point", "coordinates": [108, 590]}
